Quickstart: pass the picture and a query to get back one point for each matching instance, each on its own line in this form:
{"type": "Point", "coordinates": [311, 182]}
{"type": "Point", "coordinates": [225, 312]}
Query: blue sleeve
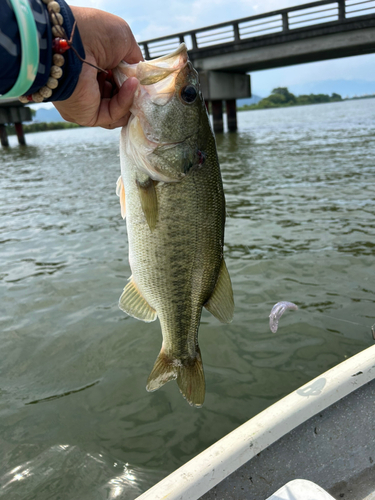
{"type": "Point", "coordinates": [10, 50]}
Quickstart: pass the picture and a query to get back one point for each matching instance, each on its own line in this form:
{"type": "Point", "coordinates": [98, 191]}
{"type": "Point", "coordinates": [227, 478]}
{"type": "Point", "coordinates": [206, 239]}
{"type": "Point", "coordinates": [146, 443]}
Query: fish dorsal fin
{"type": "Point", "coordinates": [221, 304]}
{"type": "Point", "coordinates": [120, 191]}
{"type": "Point", "coordinates": [149, 201]}
{"type": "Point", "coordinates": [133, 303]}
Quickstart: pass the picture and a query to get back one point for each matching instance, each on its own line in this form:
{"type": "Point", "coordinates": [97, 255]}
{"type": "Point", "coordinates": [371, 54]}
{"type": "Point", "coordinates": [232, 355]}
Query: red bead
{"type": "Point", "coordinates": [29, 97]}
{"type": "Point", "coordinates": [60, 45]}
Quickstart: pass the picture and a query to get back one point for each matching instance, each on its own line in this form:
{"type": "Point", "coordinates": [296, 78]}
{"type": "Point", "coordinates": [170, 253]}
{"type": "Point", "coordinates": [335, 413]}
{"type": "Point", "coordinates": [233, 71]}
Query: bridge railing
{"type": "Point", "coordinates": [280, 21]}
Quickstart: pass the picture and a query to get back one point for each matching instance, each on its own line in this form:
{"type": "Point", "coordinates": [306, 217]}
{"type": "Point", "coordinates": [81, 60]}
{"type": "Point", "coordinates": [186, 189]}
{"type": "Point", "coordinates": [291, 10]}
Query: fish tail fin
{"type": "Point", "coordinates": [189, 375]}
{"type": "Point", "coordinates": [190, 381]}
{"type": "Point", "coordinates": [163, 371]}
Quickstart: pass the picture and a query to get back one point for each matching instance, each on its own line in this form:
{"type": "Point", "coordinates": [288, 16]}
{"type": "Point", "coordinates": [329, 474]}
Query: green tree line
{"type": "Point", "coordinates": [281, 97]}
{"type": "Point", "coordinates": [41, 127]}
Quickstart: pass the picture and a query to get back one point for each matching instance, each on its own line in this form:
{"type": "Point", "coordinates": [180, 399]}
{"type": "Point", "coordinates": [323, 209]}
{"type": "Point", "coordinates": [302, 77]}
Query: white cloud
{"type": "Point", "coordinates": [44, 105]}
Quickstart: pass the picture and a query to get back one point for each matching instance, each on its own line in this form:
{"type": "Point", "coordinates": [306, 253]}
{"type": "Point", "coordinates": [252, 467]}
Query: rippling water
{"type": "Point", "coordinates": [75, 419]}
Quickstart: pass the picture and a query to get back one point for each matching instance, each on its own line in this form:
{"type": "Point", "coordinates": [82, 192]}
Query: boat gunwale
{"type": "Point", "coordinates": [213, 465]}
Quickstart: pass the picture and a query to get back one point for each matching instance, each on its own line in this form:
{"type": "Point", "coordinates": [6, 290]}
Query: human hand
{"type": "Point", "coordinates": [107, 40]}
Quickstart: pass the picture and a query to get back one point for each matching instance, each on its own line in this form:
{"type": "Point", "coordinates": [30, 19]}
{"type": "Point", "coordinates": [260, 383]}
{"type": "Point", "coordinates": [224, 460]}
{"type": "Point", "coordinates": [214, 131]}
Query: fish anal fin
{"type": "Point", "coordinates": [189, 374]}
{"type": "Point", "coordinates": [221, 303]}
{"type": "Point", "coordinates": [120, 191]}
{"type": "Point", "coordinates": [133, 303]}
{"type": "Point", "coordinates": [149, 201]}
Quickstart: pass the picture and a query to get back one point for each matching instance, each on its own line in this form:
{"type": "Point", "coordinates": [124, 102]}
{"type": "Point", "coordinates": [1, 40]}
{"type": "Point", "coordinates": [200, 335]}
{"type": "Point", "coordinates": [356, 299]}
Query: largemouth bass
{"type": "Point", "coordinates": [171, 192]}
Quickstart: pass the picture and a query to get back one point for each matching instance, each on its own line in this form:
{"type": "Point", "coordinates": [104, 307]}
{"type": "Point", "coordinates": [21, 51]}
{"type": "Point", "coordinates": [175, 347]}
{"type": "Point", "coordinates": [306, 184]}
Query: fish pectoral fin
{"type": "Point", "coordinates": [221, 303]}
{"type": "Point", "coordinates": [189, 375]}
{"type": "Point", "coordinates": [120, 191]}
{"type": "Point", "coordinates": [133, 303]}
{"type": "Point", "coordinates": [149, 201]}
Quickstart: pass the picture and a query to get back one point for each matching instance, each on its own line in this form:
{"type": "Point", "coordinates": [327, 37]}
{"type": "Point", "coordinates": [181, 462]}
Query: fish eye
{"type": "Point", "coordinates": [189, 94]}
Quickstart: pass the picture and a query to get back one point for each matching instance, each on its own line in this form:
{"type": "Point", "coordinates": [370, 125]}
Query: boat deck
{"type": "Point", "coordinates": [335, 449]}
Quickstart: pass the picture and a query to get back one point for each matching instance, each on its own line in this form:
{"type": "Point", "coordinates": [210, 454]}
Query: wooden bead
{"type": "Point", "coordinates": [57, 19]}
{"type": "Point", "coordinates": [52, 83]}
{"type": "Point", "coordinates": [23, 99]}
{"type": "Point", "coordinates": [56, 72]}
{"type": "Point", "coordinates": [57, 32]}
{"type": "Point", "coordinates": [37, 97]}
{"type": "Point", "coordinates": [58, 60]}
{"type": "Point", "coordinates": [45, 92]}
{"type": "Point", "coordinates": [53, 6]}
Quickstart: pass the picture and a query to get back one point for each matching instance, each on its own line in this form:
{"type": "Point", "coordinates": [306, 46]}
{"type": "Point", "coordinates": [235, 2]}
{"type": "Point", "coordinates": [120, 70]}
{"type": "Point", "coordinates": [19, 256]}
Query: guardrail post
{"type": "Point", "coordinates": [194, 41]}
{"type": "Point", "coordinates": [341, 9]}
{"type": "Point", "coordinates": [147, 53]}
{"type": "Point", "coordinates": [236, 32]}
{"type": "Point", "coordinates": [285, 21]}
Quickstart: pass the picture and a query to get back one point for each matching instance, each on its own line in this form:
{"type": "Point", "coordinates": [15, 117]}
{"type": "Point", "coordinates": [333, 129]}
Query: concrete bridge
{"type": "Point", "coordinates": [224, 53]}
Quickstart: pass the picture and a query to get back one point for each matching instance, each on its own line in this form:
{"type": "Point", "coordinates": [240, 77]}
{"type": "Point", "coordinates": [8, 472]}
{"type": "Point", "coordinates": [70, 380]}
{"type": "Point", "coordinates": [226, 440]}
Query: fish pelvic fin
{"type": "Point", "coordinates": [133, 303]}
{"type": "Point", "coordinates": [120, 191]}
{"type": "Point", "coordinates": [221, 303]}
{"type": "Point", "coordinates": [189, 375]}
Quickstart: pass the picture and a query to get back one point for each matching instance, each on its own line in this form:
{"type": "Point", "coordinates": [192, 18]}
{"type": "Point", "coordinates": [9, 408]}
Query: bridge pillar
{"type": "Point", "coordinates": [217, 87]}
{"type": "Point", "coordinates": [217, 115]}
{"type": "Point", "coordinates": [20, 135]}
{"type": "Point", "coordinates": [3, 136]}
{"type": "Point", "coordinates": [13, 111]}
{"type": "Point", "coordinates": [231, 115]}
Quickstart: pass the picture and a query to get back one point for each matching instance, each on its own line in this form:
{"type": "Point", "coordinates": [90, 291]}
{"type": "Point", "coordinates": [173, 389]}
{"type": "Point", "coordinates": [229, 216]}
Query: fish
{"type": "Point", "coordinates": [171, 194]}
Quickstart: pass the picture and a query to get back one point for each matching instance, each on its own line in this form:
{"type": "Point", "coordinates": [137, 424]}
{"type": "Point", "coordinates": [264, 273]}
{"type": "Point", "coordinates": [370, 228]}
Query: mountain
{"type": "Point", "coordinates": [47, 115]}
{"type": "Point", "coordinates": [346, 88]}
{"type": "Point", "coordinates": [249, 100]}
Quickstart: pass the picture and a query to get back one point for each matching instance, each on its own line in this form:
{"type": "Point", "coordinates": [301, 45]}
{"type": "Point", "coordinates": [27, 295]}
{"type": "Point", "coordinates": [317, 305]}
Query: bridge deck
{"type": "Point", "coordinates": [332, 28]}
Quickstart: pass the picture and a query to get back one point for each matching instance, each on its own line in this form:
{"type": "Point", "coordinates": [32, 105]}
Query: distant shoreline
{"type": "Point", "coordinates": [42, 127]}
{"type": "Point", "coordinates": [282, 98]}
{"type": "Point", "coordinates": [47, 126]}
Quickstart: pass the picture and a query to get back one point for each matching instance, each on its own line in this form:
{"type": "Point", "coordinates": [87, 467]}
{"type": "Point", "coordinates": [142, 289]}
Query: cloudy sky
{"type": "Point", "coordinates": [150, 19]}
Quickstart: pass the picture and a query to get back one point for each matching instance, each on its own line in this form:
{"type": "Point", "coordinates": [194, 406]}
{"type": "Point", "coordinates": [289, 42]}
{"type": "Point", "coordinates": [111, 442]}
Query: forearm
{"type": "Point", "coordinates": [10, 50]}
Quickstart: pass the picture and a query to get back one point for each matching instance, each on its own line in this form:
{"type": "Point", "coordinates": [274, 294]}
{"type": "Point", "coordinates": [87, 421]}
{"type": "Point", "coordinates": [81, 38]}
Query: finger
{"type": "Point", "coordinates": [105, 87]}
{"type": "Point", "coordinates": [120, 123]}
{"type": "Point", "coordinates": [134, 54]}
{"type": "Point", "coordinates": [115, 110]}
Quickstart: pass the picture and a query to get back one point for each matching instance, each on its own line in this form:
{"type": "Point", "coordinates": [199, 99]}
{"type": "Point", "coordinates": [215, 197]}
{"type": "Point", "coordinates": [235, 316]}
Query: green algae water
{"type": "Point", "coordinates": [76, 421]}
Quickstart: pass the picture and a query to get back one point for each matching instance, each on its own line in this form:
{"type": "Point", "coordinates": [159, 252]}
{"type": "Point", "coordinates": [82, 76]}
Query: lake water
{"type": "Point", "coordinates": [75, 419]}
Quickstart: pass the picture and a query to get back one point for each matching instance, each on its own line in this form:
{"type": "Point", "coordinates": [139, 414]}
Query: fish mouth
{"type": "Point", "coordinates": [151, 72]}
{"type": "Point", "coordinates": [156, 77]}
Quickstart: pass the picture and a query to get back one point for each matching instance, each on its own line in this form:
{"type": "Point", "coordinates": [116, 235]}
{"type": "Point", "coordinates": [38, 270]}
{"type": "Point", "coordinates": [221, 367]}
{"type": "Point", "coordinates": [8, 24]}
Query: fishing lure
{"type": "Point", "coordinates": [277, 311]}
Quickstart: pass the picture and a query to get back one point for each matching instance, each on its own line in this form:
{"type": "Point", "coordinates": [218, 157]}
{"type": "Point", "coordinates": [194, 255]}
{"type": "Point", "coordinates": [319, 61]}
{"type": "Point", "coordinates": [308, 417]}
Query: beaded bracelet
{"type": "Point", "coordinates": [60, 44]}
{"type": "Point", "coordinates": [57, 59]}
